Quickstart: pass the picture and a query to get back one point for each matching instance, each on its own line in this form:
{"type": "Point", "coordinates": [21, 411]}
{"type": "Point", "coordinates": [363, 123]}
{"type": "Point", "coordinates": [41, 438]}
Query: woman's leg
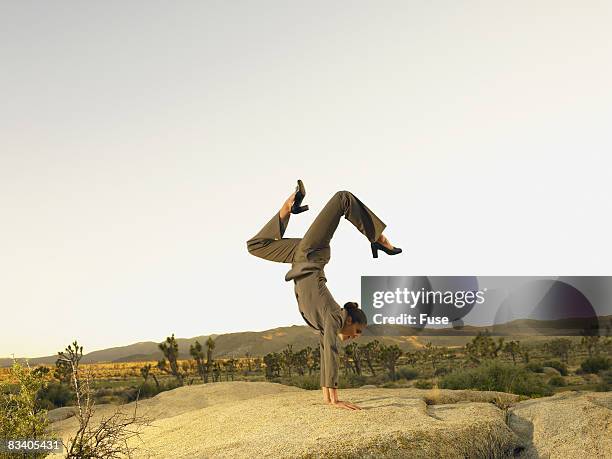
{"type": "Point", "coordinates": [344, 203]}
{"type": "Point", "coordinates": [269, 243]}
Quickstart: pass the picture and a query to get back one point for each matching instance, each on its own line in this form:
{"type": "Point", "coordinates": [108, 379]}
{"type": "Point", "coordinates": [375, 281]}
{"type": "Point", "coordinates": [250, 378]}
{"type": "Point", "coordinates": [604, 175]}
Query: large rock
{"type": "Point", "coordinates": [567, 425]}
{"type": "Point", "coordinates": [242, 419]}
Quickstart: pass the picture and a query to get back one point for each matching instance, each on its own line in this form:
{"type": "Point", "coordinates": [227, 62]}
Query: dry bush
{"type": "Point", "coordinates": [107, 439]}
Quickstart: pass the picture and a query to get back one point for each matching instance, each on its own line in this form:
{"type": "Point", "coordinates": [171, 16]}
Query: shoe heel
{"type": "Point", "coordinates": [374, 251]}
{"type": "Point", "coordinates": [300, 193]}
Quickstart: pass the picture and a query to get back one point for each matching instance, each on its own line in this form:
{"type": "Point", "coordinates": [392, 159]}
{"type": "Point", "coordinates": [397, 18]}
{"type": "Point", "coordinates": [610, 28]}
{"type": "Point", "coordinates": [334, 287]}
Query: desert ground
{"type": "Point", "coordinates": [263, 419]}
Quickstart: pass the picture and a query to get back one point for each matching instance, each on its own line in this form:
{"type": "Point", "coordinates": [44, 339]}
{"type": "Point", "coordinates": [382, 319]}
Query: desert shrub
{"type": "Point", "coordinates": [595, 364]}
{"type": "Point", "coordinates": [442, 371]}
{"type": "Point", "coordinates": [377, 380]}
{"type": "Point", "coordinates": [129, 394]}
{"type": "Point", "coordinates": [308, 382]}
{"type": "Point", "coordinates": [606, 381]}
{"type": "Point", "coordinates": [148, 390]}
{"type": "Point", "coordinates": [557, 365]}
{"type": "Point", "coordinates": [21, 416]}
{"type": "Point", "coordinates": [351, 380]}
{"type": "Point", "coordinates": [423, 384]}
{"type": "Point", "coordinates": [407, 373]}
{"type": "Point", "coordinates": [55, 395]}
{"type": "Point", "coordinates": [557, 381]}
{"type": "Point", "coordinates": [496, 376]}
{"type": "Point", "coordinates": [104, 392]}
{"type": "Point", "coordinates": [535, 367]}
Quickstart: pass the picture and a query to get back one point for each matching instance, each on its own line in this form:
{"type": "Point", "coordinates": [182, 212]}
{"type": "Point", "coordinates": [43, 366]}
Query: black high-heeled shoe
{"type": "Point", "coordinates": [300, 192]}
{"type": "Point", "coordinates": [376, 246]}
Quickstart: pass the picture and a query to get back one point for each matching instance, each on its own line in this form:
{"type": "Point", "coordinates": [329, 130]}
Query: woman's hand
{"type": "Point", "coordinates": [345, 405]}
{"type": "Point", "coordinates": [330, 396]}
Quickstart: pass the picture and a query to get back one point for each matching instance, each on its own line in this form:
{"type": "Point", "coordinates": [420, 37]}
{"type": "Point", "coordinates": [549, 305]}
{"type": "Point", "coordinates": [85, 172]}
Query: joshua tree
{"type": "Point", "coordinates": [483, 346]}
{"type": "Point", "coordinates": [257, 363]}
{"type": "Point", "coordinates": [230, 367]}
{"type": "Point", "coordinates": [288, 358]}
{"type": "Point", "coordinates": [525, 353]}
{"type": "Point", "coordinates": [300, 360]}
{"type": "Point", "coordinates": [433, 354]}
{"type": "Point", "coordinates": [591, 344]}
{"type": "Point", "coordinates": [248, 356]}
{"type": "Point", "coordinates": [169, 363]}
{"type": "Point", "coordinates": [512, 348]}
{"type": "Point", "coordinates": [145, 372]}
{"type": "Point", "coordinates": [389, 355]}
{"type": "Point", "coordinates": [352, 352]}
{"type": "Point", "coordinates": [369, 352]}
{"type": "Point", "coordinates": [210, 347]}
{"type": "Point", "coordinates": [312, 359]}
{"type": "Point", "coordinates": [346, 362]}
{"type": "Point", "coordinates": [197, 353]}
{"type": "Point", "coordinates": [412, 357]}
{"type": "Point", "coordinates": [216, 371]}
{"type": "Point", "coordinates": [560, 347]}
{"type": "Point", "coordinates": [273, 364]}
{"type": "Point", "coordinates": [63, 370]}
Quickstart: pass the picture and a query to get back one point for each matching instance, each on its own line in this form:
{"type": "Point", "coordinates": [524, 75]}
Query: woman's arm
{"type": "Point", "coordinates": [329, 367]}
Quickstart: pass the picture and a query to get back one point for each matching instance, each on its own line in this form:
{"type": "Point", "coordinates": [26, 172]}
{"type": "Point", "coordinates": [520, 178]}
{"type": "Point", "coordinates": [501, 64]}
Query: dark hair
{"type": "Point", "coordinates": [357, 315]}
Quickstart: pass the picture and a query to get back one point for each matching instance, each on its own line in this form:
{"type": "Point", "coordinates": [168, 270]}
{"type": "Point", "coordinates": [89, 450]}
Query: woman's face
{"type": "Point", "coordinates": [351, 330]}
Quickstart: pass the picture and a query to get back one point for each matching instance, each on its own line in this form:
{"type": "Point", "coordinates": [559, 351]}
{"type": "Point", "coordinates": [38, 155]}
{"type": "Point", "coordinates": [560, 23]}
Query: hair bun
{"type": "Point", "coordinates": [351, 305]}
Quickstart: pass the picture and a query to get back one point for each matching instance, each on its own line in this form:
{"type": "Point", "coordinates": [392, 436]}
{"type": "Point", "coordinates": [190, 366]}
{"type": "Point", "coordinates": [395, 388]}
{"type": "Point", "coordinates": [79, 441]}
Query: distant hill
{"type": "Point", "coordinates": [260, 343]}
{"type": "Point", "coordinates": [226, 345]}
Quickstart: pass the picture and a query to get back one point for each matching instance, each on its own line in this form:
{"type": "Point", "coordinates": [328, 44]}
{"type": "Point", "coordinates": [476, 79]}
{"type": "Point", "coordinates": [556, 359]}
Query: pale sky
{"type": "Point", "coordinates": [144, 142]}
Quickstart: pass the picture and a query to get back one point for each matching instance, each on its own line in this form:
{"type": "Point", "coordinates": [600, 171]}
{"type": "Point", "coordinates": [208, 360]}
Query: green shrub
{"type": "Point", "coordinates": [148, 390]}
{"type": "Point", "coordinates": [130, 394]}
{"type": "Point", "coordinates": [104, 392]}
{"type": "Point", "coordinates": [423, 384]}
{"type": "Point", "coordinates": [377, 380]}
{"type": "Point", "coordinates": [442, 371]}
{"type": "Point", "coordinates": [606, 381]}
{"type": "Point", "coordinates": [497, 376]}
{"type": "Point", "coordinates": [350, 380]}
{"type": "Point", "coordinates": [557, 365]}
{"type": "Point", "coordinates": [535, 367]}
{"type": "Point", "coordinates": [557, 381]}
{"type": "Point", "coordinates": [55, 395]}
{"type": "Point", "coordinates": [595, 364]}
{"type": "Point", "coordinates": [21, 416]}
{"type": "Point", "coordinates": [307, 382]}
{"type": "Point", "coordinates": [407, 373]}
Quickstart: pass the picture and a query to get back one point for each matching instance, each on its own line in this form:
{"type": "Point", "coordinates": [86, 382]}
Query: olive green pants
{"type": "Point", "coordinates": [314, 246]}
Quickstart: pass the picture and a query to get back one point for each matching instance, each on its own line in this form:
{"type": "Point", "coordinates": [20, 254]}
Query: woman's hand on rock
{"type": "Point", "coordinates": [345, 405]}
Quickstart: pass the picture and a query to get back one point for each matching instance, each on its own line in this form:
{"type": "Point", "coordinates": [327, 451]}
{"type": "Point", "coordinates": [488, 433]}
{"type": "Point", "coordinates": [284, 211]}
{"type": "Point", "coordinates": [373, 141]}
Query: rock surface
{"type": "Point", "coordinates": [260, 419]}
{"type": "Point", "coordinates": [566, 425]}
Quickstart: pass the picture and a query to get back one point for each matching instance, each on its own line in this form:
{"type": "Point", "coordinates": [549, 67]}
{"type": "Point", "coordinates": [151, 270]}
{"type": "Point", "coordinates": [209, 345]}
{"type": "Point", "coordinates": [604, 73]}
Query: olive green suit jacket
{"type": "Point", "coordinates": [308, 256]}
{"type": "Point", "coordinates": [315, 302]}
